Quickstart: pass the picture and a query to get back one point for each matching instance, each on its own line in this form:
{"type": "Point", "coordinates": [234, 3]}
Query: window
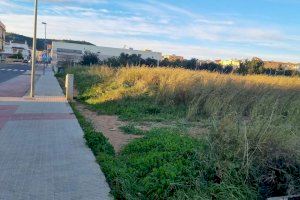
{"type": "Point", "coordinates": [72, 51]}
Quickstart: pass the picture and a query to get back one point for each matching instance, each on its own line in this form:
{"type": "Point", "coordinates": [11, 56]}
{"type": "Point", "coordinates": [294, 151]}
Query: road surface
{"type": "Point", "coordinates": [9, 71]}
{"type": "Point", "coordinates": [14, 79]}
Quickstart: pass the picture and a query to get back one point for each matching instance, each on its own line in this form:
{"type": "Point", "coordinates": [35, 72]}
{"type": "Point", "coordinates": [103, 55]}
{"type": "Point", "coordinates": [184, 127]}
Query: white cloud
{"type": "Point", "coordinates": [106, 27]}
{"type": "Point", "coordinates": [7, 6]}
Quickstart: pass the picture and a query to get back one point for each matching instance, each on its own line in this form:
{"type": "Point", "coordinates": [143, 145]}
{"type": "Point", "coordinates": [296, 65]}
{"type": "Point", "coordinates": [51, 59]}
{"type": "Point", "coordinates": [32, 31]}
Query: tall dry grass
{"type": "Point", "coordinates": [254, 120]}
{"type": "Point", "coordinates": [204, 93]}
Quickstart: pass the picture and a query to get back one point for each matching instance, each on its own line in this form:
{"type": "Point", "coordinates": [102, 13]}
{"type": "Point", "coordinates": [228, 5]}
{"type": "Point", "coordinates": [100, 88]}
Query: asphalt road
{"type": "Point", "coordinates": [9, 71]}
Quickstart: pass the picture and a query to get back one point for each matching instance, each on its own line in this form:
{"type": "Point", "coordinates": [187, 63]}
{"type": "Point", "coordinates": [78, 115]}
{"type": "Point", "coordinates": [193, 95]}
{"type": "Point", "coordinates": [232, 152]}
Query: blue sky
{"type": "Point", "coordinates": [205, 29]}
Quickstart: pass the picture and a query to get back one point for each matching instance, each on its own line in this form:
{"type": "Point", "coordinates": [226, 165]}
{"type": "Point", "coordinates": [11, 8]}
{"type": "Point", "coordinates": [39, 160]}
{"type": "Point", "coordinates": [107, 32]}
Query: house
{"type": "Point", "coordinates": [16, 48]}
{"type": "Point", "coordinates": [72, 52]}
{"type": "Point", "coordinates": [297, 67]}
{"type": "Point", "coordinates": [173, 57]}
{"type": "Point", "coordinates": [234, 63]}
{"type": "Point", "coordinates": [2, 38]}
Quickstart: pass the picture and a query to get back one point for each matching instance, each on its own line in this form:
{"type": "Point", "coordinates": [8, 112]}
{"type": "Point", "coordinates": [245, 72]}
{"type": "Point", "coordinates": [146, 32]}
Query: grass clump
{"type": "Point", "coordinates": [131, 129]}
{"type": "Point", "coordinates": [138, 109]}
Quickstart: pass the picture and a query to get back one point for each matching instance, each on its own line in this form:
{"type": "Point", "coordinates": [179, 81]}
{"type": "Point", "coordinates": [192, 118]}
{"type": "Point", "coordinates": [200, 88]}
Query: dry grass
{"type": "Point", "coordinates": [203, 92]}
{"type": "Point", "coordinates": [254, 120]}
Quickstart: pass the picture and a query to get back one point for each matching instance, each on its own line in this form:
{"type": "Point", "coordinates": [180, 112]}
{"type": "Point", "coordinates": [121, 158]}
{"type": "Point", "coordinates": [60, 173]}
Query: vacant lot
{"type": "Point", "coordinates": [206, 135]}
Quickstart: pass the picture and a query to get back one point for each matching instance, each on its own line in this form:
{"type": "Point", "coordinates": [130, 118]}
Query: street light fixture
{"type": "Point", "coordinates": [34, 50]}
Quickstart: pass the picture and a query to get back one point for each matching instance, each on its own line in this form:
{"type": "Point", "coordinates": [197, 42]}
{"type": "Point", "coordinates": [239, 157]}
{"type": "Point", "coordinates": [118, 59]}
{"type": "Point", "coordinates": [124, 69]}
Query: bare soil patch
{"type": "Point", "coordinates": [109, 126]}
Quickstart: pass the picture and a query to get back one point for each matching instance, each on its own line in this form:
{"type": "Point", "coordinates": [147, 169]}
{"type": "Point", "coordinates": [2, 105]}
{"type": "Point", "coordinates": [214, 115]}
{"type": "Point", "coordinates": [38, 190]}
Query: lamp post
{"type": "Point", "coordinates": [45, 46]}
{"type": "Point", "coordinates": [34, 50]}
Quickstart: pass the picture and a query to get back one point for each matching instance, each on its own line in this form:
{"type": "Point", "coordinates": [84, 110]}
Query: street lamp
{"type": "Point", "coordinates": [45, 46]}
{"type": "Point", "coordinates": [34, 50]}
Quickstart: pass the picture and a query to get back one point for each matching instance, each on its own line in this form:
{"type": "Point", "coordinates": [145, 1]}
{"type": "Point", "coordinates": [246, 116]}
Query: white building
{"type": "Point", "coordinates": [71, 52]}
{"type": "Point", "coordinates": [15, 48]}
{"type": "Point", "coordinates": [2, 39]}
{"type": "Point", "coordinates": [2, 36]}
{"type": "Point", "coordinates": [297, 67]}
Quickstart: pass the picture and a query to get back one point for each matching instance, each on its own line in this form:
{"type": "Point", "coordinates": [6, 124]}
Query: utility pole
{"type": "Point", "coordinates": [45, 46]}
{"type": "Point", "coordinates": [34, 50]}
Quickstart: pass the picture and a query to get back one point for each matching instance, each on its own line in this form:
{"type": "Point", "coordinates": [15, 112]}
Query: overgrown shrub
{"type": "Point", "coordinates": [89, 58]}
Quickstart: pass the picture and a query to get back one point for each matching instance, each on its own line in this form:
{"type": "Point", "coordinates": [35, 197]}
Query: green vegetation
{"type": "Point", "coordinates": [122, 60]}
{"type": "Point", "coordinates": [95, 140]}
{"type": "Point", "coordinates": [253, 66]}
{"type": "Point", "coordinates": [251, 150]}
{"type": "Point", "coordinates": [139, 109]}
{"type": "Point", "coordinates": [131, 129]}
{"type": "Point", "coordinates": [17, 56]}
{"type": "Point", "coordinates": [168, 165]}
{"type": "Point", "coordinates": [89, 58]}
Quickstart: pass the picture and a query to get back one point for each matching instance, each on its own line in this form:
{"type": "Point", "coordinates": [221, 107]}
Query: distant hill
{"type": "Point", "coordinates": [17, 38]}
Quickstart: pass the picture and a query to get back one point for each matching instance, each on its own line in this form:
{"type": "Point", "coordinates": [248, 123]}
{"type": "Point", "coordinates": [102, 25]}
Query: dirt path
{"type": "Point", "coordinates": [109, 126]}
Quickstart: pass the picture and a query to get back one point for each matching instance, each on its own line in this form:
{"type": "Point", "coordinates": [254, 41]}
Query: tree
{"type": "Point", "coordinates": [89, 58]}
{"type": "Point", "coordinates": [17, 56]}
{"type": "Point", "coordinates": [243, 69]}
{"type": "Point", "coordinates": [190, 64]}
{"type": "Point", "coordinates": [149, 62]}
{"type": "Point", "coordinates": [135, 59]}
{"type": "Point", "coordinates": [124, 59]}
{"type": "Point", "coordinates": [165, 63]}
{"type": "Point", "coordinates": [228, 69]}
{"type": "Point", "coordinates": [255, 66]}
{"type": "Point", "coordinates": [213, 67]}
{"type": "Point", "coordinates": [112, 62]}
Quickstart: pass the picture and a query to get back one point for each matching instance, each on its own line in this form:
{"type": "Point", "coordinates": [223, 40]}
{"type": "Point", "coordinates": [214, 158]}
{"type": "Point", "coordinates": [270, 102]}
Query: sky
{"type": "Point", "coordinates": [203, 29]}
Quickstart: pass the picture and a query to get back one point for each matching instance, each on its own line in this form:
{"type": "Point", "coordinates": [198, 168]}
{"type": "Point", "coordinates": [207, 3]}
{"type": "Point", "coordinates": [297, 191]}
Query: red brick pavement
{"type": "Point", "coordinates": [7, 113]}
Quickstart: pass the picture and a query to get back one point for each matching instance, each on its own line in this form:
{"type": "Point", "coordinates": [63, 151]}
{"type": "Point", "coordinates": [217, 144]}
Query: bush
{"type": "Point", "coordinates": [17, 56]}
{"type": "Point", "coordinates": [89, 58]}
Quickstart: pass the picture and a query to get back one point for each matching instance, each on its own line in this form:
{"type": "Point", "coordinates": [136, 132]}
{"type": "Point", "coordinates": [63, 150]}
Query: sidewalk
{"type": "Point", "coordinates": [42, 151]}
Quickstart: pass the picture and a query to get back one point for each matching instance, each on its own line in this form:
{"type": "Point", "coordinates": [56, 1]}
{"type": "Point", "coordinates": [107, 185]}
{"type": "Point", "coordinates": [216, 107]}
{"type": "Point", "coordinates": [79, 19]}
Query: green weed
{"type": "Point", "coordinates": [131, 129]}
{"type": "Point", "coordinates": [95, 140]}
{"type": "Point", "coordinates": [166, 165]}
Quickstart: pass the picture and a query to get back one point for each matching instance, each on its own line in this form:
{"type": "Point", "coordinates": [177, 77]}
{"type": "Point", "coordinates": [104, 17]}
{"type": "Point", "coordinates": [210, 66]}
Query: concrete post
{"type": "Point", "coordinates": [69, 87]}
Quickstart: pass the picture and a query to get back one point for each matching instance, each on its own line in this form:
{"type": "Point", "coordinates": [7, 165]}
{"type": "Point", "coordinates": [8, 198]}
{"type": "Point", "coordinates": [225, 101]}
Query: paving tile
{"type": "Point", "coordinates": [46, 157]}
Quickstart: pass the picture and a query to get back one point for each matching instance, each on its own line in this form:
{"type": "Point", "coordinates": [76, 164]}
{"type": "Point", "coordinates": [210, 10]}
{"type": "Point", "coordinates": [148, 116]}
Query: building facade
{"type": "Point", "coordinates": [173, 57]}
{"type": "Point", "coordinates": [278, 65]}
{"type": "Point", "coordinates": [71, 52]}
{"type": "Point", "coordinates": [233, 63]}
{"type": "Point", "coordinates": [297, 67]}
{"type": "Point", "coordinates": [2, 38]}
{"type": "Point", "coordinates": [17, 48]}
